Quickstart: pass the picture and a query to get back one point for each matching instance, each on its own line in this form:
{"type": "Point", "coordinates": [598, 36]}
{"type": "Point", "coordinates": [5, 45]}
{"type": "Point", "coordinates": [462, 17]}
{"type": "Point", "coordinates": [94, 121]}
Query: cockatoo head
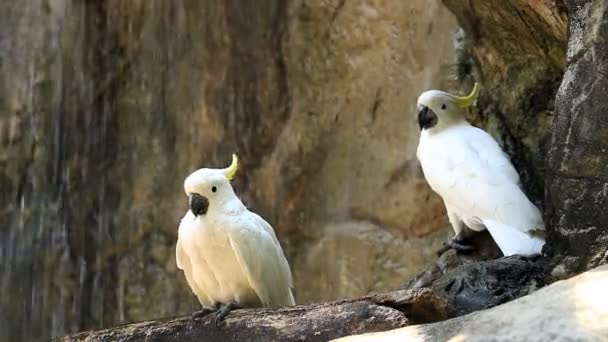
{"type": "Point", "coordinates": [438, 109]}
{"type": "Point", "coordinates": [210, 187]}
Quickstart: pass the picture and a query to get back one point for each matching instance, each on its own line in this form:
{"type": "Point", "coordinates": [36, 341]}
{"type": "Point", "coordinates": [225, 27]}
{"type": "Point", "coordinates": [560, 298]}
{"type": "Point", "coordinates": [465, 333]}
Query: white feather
{"type": "Point", "coordinates": [513, 241]}
{"type": "Point", "coordinates": [476, 180]}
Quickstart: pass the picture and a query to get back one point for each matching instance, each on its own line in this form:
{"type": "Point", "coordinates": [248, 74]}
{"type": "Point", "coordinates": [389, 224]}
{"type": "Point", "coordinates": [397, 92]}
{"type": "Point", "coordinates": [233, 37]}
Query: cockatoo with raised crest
{"type": "Point", "coordinates": [479, 185]}
{"type": "Point", "coordinates": [230, 256]}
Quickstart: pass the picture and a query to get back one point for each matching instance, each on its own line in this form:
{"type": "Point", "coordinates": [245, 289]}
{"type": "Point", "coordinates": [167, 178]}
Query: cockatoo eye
{"type": "Point", "coordinates": [214, 189]}
{"type": "Point", "coordinates": [443, 106]}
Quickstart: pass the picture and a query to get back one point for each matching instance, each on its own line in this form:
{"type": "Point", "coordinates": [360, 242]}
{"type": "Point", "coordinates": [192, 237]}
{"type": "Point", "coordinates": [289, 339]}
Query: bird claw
{"type": "Point", "coordinates": [459, 246]}
{"type": "Point", "coordinates": [223, 311]}
{"type": "Point", "coordinates": [204, 311]}
{"type": "Point", "coordinates": [219, 318]}
{"type": "Point", "coordinates": [456, 245]}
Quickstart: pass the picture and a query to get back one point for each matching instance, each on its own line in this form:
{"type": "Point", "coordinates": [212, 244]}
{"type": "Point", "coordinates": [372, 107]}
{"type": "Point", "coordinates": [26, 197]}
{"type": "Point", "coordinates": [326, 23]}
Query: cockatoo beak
{"type": "Point", "coordinates": [199, 204]}
{"type": "Point", "coordinates": [426, 117]}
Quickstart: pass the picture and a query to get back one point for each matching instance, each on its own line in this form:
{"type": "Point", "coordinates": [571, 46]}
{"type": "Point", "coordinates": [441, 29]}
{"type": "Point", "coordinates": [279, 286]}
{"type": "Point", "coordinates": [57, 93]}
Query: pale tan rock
{"type": "Point", "coordinates": [570, 310]}
{"type": "Point", "coordinates": [357, 68]}
{"type": "Point", "coordinates": [360, 257]}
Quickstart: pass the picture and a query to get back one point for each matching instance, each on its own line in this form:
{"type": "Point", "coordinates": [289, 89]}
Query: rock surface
{"type": "Point", "coordinates": [470, 282]}
{"type": "Point", "coordinates": [570, 310]}
{"type": "Point", "coordinates": [106, 106]}
{"type": "Point", "coordinates": [482, 285]}
{"type": "Point", "coordinates": [314, 322]}
{"type": "Point", "coordinates": [577, 186]}
{"type": "Point", "coordinates": [484, 248]}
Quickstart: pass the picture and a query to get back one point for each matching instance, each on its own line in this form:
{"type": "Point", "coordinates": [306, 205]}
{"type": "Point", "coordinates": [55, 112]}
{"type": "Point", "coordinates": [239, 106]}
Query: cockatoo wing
{"type": "Point", "coordinates": [271, 232]}
{"type": "Point", "coordinates": [262, 261]}
{"type": "Point", "coordinates": [181, 258]}
{"type": "Point", "coordinates": [267, 227]}
{"type": "Point", "coordinates": [470, 171]}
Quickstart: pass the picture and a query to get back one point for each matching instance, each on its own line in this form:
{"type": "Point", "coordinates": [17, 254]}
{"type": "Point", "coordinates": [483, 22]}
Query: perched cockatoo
{"type": "Point", "coordinates": [479, 185]}
{"type": "Point", "coordinates": [230, 256]}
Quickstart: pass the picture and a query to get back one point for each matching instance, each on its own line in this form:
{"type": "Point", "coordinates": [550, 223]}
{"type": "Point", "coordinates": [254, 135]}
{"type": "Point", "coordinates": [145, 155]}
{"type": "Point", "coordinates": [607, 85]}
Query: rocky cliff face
{"type": "Point", "coordinates": [106, 106]}
{"type": "Point", "coordinates": [576, 186]}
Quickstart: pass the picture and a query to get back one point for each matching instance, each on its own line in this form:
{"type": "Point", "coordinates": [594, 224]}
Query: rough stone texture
{"type": "Point", "coordinates": [570, 310]}
{"type": "Point", "coordinates": [470, 283]}
{"type": "Point", "coordinates": [482, 285]}
{"type": "Point", "coordinates": [346, 157]}
{"type": "Point", "coordinates": [484, 248]}
{"type": "Point", "coordinates": [105, 107]}
{"type": "Point", "coordinates": [353, 255]}
{"type": "Point", "coordinates": [313, 322]}
{"type": "Point", "coordinates": [577, 186]}
{"type": "Point", "coordinates": [516, 50]}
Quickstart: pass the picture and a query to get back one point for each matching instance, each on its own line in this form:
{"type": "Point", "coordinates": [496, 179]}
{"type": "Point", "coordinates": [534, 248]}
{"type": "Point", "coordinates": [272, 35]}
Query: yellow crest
{"type": "Point", "coordinates": [466, 101]}
{"type": "Point", "coordinates": [231, 170]}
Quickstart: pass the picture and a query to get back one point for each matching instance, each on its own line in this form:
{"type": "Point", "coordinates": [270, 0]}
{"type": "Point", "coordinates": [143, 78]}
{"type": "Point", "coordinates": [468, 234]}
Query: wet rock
{"type": "Point", "coordinates": [577, 186]}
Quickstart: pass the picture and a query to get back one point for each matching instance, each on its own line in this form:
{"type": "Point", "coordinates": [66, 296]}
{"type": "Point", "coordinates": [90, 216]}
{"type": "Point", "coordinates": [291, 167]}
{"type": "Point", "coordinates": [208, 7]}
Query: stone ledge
{"type": "Point", "coordinates": [312, 322]}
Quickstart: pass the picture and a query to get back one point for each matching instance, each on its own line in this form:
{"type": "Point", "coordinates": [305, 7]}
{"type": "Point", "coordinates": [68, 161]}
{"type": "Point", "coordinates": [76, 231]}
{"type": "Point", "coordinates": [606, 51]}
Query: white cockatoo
{"type": "Point", "coordinates": [230, 256]}
{"type": "Point", "coordinates": [479, 185]}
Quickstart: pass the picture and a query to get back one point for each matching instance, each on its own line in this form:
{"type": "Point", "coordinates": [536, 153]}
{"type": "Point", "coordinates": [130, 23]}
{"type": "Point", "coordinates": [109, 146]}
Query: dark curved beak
{"type": "Point", "coordinates": [426, 118]}
{"type": "Point", "coordinates": [199, 204]}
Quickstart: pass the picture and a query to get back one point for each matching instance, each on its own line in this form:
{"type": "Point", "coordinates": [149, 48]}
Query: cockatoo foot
{"type": "Point", "coordinates": [204, 311]}
{"type": "Point", "coordinates": [224, 310]}
{"type": "Point", "coordinates": [456, 244]}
